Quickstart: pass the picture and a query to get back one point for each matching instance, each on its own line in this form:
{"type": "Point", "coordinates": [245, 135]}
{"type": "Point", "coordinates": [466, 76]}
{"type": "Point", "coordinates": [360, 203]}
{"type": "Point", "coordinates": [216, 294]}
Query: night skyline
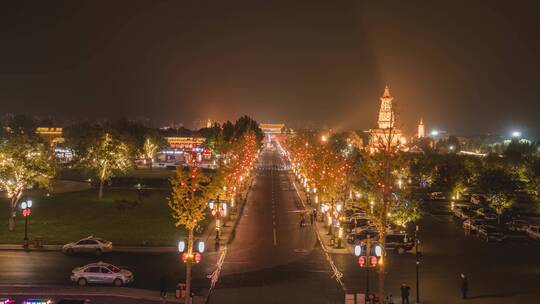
{"type": "Point", "coordinates": [468, 68]}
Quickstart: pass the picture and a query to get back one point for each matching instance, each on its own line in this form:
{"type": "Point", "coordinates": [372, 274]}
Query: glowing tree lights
{"type": "Point", "coordinates": [105, 157]}
{"type": "Point", "coordinates": [23, 163]}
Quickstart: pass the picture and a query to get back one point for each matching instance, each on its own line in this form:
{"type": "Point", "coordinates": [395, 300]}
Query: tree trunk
{"type": "Point", "coordinates": [12, 218]}
{"type": "Point", "coordinates": [187, 299]}
{"type": "Point", "coordinates": [13, 211]}
{"type": "Point", "coordinates": [100, 193]}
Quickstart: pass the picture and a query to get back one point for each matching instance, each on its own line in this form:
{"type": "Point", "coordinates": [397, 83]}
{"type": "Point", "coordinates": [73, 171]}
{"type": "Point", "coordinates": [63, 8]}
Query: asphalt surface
{"type": "Point", "coordinates": [272, 259]}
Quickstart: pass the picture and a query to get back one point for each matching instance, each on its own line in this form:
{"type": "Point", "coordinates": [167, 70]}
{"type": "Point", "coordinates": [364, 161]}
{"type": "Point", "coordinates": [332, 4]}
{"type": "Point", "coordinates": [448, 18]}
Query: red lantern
{"type": "Point", "coordinates": [198, 257]}
{"type": "Point", "coordinates": [373, 261]}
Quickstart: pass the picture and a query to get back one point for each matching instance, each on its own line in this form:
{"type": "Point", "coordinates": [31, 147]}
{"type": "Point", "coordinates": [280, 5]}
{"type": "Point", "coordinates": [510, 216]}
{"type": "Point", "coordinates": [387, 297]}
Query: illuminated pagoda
{"type": "Point", "coordinates": [421, 129]}
{"type": "Point", "coordinates": [386, 131]}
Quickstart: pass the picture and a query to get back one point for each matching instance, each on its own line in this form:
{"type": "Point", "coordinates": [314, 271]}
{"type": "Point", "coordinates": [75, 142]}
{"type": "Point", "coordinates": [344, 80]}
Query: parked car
{"type": "Point", "coordinates": [91, 244]}
{"type": "Point", "coordinates": [533, 232]}
{"type": "Point", "coordinates": [472, 224]}
{"type": "Point", "coordinates": [490, 233]}
{"type": "Point", "coordinates": [356, 224]}
{"type": "Point", "coordinates": [517, 225]}
{"type": "Point", "coordinates": [437, 196]}
{"type": "Point", "coordinates": [357, 238]}
{"type": "Point", "coordinates": [101, 273]}
{"type": "Point", "coordinates": [400, 242]}
{"type": "Point", "coordinates": [462, 212]}
{"type": "Point", "coordinates": [477, 199]}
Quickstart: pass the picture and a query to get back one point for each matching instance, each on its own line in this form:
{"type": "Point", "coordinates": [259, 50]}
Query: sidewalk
{"type": "Point", "coordinates": [89, 291]}
{"type": "Point", "coordinates": [321, 229]}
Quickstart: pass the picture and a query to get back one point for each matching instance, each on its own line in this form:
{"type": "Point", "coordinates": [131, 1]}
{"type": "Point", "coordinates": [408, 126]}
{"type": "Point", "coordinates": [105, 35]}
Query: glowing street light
{"type": "Point", "coordinates": [434, 132]}
{"type": "Point", "coordinates": [26, 208]}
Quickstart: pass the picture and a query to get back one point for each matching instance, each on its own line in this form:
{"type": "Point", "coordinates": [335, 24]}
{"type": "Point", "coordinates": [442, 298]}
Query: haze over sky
{"type": "Point", "coordinates": [468, 67]}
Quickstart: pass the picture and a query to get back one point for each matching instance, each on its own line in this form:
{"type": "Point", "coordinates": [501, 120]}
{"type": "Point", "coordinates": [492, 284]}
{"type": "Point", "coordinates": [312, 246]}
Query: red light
{"type": "Point", "coordinates": [373, 260]}
{"type": "Point", "coordinates": [26, 212]}
{"type": "Point", "coordinates": [184, 257]}
{"type": "Point", "coordinates": [362, 261]}
{"type": "Point", "coordinates": [198, 257]}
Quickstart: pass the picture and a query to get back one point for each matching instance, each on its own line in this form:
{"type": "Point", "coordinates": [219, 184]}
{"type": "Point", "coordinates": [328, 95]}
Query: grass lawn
{"type": "Point", "coordinates": [68, 217]}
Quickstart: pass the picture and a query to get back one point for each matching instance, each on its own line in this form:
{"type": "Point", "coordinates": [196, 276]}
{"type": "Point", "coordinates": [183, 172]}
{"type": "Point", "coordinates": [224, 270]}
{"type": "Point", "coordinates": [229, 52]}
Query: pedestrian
{"type": "Point", "coordinates": [464, 285]}
{"type": "Point", "coordinates": [404, 293]}
{"type": "Point", "coordinates": [163, 288]}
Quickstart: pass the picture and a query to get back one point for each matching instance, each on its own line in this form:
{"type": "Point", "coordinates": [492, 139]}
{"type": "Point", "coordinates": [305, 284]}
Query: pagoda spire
{"type": "Point", "coordinates": [386, 93]}
{"type": "Point", "coordinates": [386, 112]}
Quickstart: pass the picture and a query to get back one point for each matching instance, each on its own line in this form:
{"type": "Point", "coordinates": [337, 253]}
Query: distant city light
{"type": "Point", "coordinates": [324, 138]}
{"type": "Point", "coordinates": [434, 132]}
{"type": "Point", "coordinates": [516, 134]}
{"type": "Point", "coordinates": [452, 148]}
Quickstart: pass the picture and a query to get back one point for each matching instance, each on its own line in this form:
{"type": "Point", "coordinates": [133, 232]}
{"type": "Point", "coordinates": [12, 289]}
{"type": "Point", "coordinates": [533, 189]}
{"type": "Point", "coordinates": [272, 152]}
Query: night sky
{"type": "Point", "coordinates": [468, 67]}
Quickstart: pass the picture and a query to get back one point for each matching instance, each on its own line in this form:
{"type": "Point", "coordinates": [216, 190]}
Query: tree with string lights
{"type": "Point", "coordinates": [106, 156]}
{"type": "Point", "coordinates": [24, 163]}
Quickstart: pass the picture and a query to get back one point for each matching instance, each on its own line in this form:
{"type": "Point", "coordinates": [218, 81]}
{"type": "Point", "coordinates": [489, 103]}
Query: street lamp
{"type": "Point", "coordinates": [190, 257]}
{"type": "Point", "coordinates": [516, 134]}
{"type": "Point", "coordinates": [26, 208]}
{"type": "Point", "coordinates": [418, 254]}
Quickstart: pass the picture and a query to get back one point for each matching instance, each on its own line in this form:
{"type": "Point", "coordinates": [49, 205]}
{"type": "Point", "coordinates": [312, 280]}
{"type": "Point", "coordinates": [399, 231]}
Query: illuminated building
{"type": "Point", "coordinates": [421, 129]}
{"type": "Point", "coordinates": [184, 150]}
{"type": "Point", "coordinates": [386, 133]}
{"type": "Point", "coordinates": [271, 130]}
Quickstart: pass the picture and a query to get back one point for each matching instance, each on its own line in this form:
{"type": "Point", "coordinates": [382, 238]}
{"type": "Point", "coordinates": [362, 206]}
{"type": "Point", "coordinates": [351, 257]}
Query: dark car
{"type": "Point", "coordinates": [357, 238]}
{"type": "Point", "coordinates": [517, 225]}
{"type": "Point", "coordinates": [356, 223]}
{"type": "Point", "coordinates": [399, 242]}
{"type": "Point", "coordinates": [490, 233]}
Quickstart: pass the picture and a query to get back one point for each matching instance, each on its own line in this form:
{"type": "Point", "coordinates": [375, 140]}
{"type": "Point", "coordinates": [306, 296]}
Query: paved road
{"type": "Point", "coordinates": [54, 268]}
{"type": "Point", "coordinates": [272, 259]}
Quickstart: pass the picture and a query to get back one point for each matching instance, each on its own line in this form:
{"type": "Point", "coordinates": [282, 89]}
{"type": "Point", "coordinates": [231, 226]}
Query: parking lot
{"type": "Point", "coordinates": [447, 251]}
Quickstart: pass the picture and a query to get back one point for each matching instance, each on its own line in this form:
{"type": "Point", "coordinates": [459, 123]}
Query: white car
{"type": "Point", "coordinates": [533, 232]}
{"type": "Point", "coordinates": [91, 244]}
{"type": "Point", "coordinates": [101, 273]}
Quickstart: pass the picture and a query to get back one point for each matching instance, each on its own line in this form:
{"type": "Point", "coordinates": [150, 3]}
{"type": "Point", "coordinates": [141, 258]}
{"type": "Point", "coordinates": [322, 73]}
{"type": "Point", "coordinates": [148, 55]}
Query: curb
{"type": "Point", "coordinates": [49, 248]}
{"type": "Point", "coordinates": [118, 292]}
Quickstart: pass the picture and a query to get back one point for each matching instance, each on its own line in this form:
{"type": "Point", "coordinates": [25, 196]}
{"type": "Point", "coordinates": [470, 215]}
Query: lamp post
{"type": "Point", "coordinates": [26, 208]}
{"type": "Point", "coordinates": [417, 265]}
{"type": "Point", "coordinates": [368, 256]}
{"type": "Point", "coordinates": [190, 257]}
